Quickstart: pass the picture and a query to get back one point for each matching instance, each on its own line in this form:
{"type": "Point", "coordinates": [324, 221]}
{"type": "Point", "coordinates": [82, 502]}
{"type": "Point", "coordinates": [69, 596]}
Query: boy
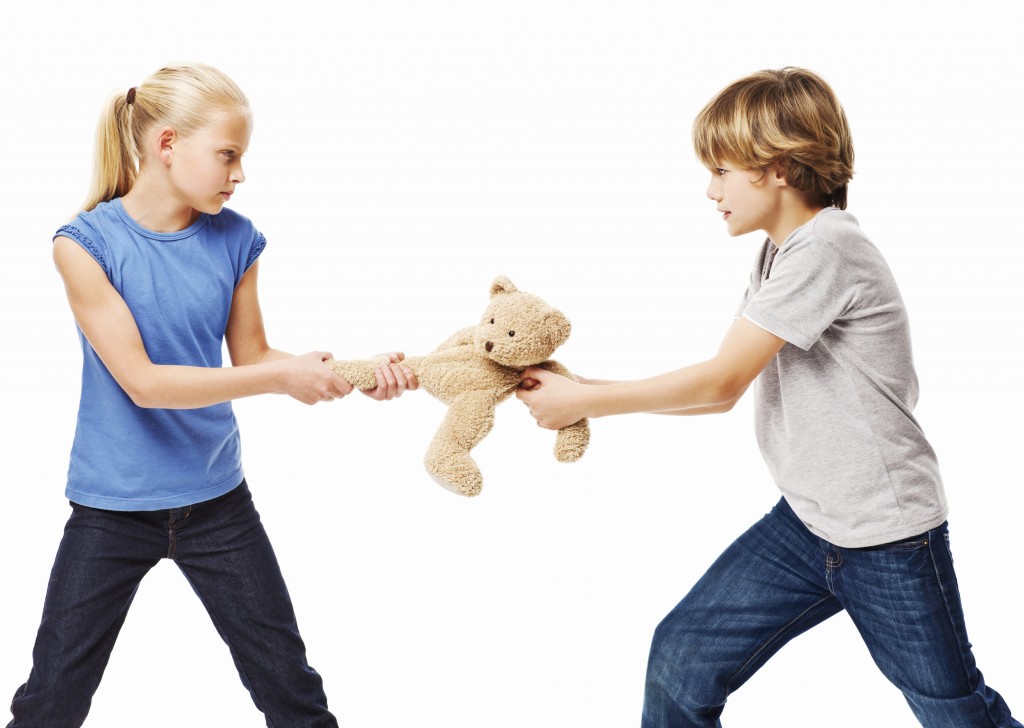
{"type": "Point", "coordinates": [861, 525]}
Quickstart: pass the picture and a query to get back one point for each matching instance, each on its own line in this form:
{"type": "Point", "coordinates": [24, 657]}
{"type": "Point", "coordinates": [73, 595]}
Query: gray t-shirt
{"type": "Point", "coordinates": [834, 407]}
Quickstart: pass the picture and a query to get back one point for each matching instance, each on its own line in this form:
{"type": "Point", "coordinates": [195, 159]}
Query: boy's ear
{"type": "Point", "coordinates": [778, 171]}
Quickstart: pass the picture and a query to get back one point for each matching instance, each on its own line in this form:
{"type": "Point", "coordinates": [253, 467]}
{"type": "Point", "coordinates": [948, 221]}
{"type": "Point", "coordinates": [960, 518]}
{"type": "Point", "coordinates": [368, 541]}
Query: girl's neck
{"type": "Point", "coordinates": [157, 209]}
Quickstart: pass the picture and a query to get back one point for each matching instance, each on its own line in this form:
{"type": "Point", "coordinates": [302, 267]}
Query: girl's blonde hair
{"type": "Point", "coordinates": [788, 117]}
{"type": "Point", "coordinates": [184, 97]}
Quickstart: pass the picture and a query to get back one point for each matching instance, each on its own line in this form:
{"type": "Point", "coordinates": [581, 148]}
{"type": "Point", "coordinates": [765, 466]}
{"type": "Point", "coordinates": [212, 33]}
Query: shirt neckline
{"type": "Point", "coordinates": [152, 234]}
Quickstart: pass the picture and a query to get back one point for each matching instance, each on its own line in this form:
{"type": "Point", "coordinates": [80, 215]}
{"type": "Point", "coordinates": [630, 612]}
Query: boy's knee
{"type": "Point", "coordinates": [679, 679]}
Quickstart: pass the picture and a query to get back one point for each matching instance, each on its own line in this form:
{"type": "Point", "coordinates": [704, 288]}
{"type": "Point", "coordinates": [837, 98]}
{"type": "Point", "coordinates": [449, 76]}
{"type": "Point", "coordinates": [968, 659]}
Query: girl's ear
{"type": "Point", "coordinates": [165, 141]}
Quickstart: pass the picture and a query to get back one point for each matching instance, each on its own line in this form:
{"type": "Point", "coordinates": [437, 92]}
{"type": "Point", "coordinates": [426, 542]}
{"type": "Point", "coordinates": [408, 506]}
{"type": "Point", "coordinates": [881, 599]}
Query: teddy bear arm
{"type": "Point", "coordinates": [357, 372]}
{"type": "Point", "coordinates": [557, 368]}
{"type": "Point", "coordinates": [571, 441]}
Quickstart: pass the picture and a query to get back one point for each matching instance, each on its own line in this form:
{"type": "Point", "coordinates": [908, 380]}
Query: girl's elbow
{"type": "Point", "coordinates": [142, 391]}
{"type": "Point", "coordinates": [140, 396]}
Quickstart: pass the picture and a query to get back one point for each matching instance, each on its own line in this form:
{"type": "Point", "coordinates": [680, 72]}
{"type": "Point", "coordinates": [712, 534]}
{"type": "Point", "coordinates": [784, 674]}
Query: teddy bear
{"type": "Point", "coordinates": [476, 369]}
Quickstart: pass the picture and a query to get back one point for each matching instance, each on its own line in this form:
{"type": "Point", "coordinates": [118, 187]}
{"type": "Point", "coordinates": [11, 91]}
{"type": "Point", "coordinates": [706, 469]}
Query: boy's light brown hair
{"type": "Point", "coordinates": [788, 117]}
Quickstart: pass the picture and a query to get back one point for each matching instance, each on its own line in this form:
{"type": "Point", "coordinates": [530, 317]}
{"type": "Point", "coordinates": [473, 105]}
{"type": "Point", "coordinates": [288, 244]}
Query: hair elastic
{"type": "Point", "coordinates": [130, 98]}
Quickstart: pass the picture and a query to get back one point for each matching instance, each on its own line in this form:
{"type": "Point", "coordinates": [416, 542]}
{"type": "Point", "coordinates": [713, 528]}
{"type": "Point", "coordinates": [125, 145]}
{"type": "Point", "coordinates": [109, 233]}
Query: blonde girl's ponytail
{"type": "Point", "coordinates": [185, 97]}
{"type": "Point", "coordinates": [115, 163]}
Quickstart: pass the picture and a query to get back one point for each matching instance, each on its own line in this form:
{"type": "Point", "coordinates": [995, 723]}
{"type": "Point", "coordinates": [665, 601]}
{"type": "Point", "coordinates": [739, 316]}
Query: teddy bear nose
{"type": "Point", "coordinates": [489, 345]}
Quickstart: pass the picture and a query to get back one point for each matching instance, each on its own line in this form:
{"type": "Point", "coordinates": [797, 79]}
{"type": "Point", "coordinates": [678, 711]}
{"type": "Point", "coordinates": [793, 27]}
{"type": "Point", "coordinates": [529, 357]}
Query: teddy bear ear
{"type": "Point", "coordinates": [502, 284]}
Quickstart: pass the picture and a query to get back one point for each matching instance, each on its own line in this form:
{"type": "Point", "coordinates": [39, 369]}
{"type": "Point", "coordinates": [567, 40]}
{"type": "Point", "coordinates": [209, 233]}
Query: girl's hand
{"type": "Point", "coordinates": [554, 401]}
{"type": "Point", "coordinates": [392, 378]}
{"type": "Point", "coordinates": [307, 379]}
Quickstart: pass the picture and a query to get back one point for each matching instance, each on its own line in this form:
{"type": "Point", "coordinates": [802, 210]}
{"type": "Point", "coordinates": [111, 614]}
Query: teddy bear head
{"type": "Point", "coordinates": [519, 329]}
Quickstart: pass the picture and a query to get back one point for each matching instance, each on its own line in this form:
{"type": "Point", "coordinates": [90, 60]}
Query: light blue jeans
{"type": "Point", "coordinates": [778, 580]}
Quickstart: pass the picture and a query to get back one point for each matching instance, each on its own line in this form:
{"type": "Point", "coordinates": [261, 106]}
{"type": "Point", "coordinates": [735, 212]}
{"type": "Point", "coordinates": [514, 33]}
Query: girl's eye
{"type": "Point", "coordinates": [719, 171]}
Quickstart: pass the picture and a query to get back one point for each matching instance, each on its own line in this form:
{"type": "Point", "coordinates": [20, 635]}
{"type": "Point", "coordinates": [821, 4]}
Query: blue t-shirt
{"type": "Point", "coordinates": [179, 287]}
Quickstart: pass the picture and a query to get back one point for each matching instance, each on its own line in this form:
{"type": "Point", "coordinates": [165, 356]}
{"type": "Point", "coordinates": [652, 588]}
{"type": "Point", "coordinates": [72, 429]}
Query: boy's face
{"type": "Point", "coordinates": [749, 200]}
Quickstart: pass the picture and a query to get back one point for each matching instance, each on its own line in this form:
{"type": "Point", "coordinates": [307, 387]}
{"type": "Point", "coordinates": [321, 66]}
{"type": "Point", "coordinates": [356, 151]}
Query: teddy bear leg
{"type": "Point", "coordinates": [468, 420]}
{"type": "Point", "coordinates": [571, 442]}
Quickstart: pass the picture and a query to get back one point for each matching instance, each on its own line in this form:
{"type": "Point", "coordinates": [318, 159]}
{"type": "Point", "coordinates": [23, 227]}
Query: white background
{"type": "Point", "coordinates": [405, 153]}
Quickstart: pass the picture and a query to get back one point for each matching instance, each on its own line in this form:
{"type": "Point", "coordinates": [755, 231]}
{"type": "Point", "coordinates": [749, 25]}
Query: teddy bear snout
{"type": "Point", "coordinates": [489, 346]}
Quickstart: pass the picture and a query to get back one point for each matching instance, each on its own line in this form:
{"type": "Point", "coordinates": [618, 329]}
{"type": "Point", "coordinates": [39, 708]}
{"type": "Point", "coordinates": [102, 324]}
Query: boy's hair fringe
{"type": "Point", "coordinates": [788, 117]}
{"type": "Point", "coordinates": [185, 97]}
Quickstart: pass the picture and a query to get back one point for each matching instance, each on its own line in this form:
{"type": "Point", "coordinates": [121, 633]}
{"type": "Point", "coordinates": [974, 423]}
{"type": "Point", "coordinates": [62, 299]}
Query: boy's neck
{"type": "Point", "coordinates": [794, 212]}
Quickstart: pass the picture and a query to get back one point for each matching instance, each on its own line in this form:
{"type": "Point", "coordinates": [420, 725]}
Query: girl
{"type": "Point", "coordinates": [159, 275]}
{"type": "Point", "coordinates": [823, 330]}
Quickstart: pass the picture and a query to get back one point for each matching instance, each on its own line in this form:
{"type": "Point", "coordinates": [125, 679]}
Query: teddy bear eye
{"type": "Point", "coordinates": [511, 333]}
{"type": "Point", "coordinates": [492, 321]}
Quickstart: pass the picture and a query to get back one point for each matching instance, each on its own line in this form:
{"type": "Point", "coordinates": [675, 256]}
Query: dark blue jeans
{"type": "Point", "coordinates": [223, 551]}
{"type": "Point", "coordinates": [778, 580]}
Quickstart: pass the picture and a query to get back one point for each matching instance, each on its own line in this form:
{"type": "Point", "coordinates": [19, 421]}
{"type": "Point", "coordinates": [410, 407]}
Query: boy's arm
{"type": "Point", "coordinates": [708, 387]}
{"type": "Point", "coordinates": [111, 329]}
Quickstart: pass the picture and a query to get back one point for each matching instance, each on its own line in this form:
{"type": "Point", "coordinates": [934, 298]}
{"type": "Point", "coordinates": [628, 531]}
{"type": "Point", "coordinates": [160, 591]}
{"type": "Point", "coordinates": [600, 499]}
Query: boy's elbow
{"type": "Point", "coordinates": [727, 393]}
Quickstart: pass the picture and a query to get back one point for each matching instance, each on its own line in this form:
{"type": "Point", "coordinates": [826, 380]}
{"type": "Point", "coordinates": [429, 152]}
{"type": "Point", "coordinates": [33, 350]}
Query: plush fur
{"type": "Point", "coordinates": [473, 371]}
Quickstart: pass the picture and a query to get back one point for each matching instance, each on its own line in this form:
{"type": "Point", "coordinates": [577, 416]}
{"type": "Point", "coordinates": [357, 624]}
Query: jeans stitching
{"type": "Point", "coordinates": [767, 643]}
{"type": "Point", "coordinates": [172, 536]}
{"type": "Point", "coordinates": [949, 614]}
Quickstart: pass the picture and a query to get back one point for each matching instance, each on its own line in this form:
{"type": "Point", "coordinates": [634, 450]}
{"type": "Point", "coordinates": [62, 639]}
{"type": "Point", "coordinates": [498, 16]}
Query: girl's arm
{"type": "Point", "coordinates": [110, 328]}
{"type": "Point", "coordinates": [705, 388]}
{"type": "Point", "coordinates": [247, 343]}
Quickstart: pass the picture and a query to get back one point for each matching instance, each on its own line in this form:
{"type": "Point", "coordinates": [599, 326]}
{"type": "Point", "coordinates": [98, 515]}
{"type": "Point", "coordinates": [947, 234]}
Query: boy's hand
{"type": "Point", "coordinates": [393, 379]}
{"type": "Point", "coordinates": [554, 401]}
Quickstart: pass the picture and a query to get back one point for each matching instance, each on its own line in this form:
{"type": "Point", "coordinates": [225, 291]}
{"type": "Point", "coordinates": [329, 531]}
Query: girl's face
{"type": "Point", "coordinates": [747, 199]}
{"type": "Point", "coordinates": [207, 166]}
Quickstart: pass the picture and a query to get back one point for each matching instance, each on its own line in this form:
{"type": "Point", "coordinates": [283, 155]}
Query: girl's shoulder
{"type": "Point", "coordinates": [231, 222]}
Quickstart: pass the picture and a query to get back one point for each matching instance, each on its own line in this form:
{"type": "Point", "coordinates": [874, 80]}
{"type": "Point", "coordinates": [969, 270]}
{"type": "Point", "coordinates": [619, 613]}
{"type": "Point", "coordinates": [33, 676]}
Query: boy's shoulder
{"type": "Point", "coordinates": [833, 221]}
{"type": "Point", "coordinates": [831, 227]}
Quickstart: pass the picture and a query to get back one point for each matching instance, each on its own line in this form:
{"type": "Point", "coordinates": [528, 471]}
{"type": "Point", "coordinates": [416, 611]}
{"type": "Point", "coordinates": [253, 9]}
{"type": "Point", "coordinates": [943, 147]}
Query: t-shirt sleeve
{"type": "Point", "coordinates": [83, 234]}
{"type": "Point", "coordinates": [259, 242]}
{"type": "Point", "coordinates": [751, 285]}
{"type": "Point", "coordinates": [807, 289]}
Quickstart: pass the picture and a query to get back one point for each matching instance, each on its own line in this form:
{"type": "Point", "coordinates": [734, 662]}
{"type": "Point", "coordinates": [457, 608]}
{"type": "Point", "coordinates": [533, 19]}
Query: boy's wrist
{"type": "Point", "coordinates": [591, 400]}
